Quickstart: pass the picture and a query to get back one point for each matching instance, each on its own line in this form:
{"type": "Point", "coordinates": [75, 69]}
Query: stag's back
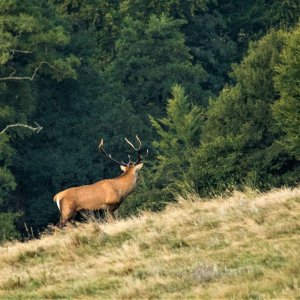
{"type": "Point", "coordinates": [98, 195]}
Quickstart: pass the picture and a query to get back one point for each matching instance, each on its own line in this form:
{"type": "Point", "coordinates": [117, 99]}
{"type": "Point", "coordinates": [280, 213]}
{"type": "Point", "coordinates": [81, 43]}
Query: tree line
{"type": "Point", "coordinates": [211, 87]}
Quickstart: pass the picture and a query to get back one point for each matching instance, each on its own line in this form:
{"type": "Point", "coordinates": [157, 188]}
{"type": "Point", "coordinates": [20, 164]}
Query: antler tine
{"type": "Point", "coordinates": [131, 144]}
{"type": "Point", "coordinates": [101, 148]}
{"type": "Point", "coordinates": [101, 144]}
{"type": "Point", "coordinates": [140, 146]}
{"type": "Point", "coordinates": [129, 162]}
{"type": "Point", "coordinates": [142, 157]}
{"type": "Point", "coordinates": [135, 148]}
{"type": "Point", "coordinates": [147, 152]}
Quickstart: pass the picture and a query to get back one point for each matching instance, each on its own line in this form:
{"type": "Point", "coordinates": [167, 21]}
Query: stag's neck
{"type": "Point", "coordinates": [126, 183]}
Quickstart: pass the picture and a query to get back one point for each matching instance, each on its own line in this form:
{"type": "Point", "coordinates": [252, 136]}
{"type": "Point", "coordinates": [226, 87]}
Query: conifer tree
{"type": "Point", "coordinates": [178, 137]}
{"type": "Point", "coordinates": [173, 151]}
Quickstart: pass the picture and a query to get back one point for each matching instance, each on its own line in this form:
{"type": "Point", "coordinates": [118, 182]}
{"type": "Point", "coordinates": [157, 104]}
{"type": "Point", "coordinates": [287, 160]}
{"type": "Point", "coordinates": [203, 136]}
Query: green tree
{"type": "Point", "coordinates": [287, 108]}
{"type": "Point", "coordinates": [31, 46]}
{"type": "Point", "coordinates": [251, 20]}
{"type": "Point", "coordinates": [94, 27]}
{"type": "Point", "coordinates": [178, 138]}
{"type": "Point", "coordinates": [31, 43]}
{"type": "Point", "coordinates": [210, 44]}
{"type": "Point", "coordinates": [143, 9]}
{"type": "Point", "coordinates": [152, 57]}
{"type": "Point", "coordinates": [239, 144]}
{"type": "Point", "coordinates": [8, 183]}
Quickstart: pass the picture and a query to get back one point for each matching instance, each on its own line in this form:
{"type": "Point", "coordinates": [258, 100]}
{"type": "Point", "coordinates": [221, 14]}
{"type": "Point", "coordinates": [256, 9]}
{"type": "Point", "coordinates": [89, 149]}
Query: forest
{"type": "Point", "coordinates": [212, 88]}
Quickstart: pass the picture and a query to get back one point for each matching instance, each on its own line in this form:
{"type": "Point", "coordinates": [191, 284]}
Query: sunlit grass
{"type": "Point", "coordinates": [241, 247]}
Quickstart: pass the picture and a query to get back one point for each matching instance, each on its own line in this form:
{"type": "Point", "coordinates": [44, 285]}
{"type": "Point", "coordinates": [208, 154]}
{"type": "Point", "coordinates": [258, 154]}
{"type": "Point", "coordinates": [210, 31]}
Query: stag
{"type": "Point", "coordinates": [107, 194]}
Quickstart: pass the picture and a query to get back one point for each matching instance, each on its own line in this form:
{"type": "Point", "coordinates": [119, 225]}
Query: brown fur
{"type": "Point", "coordinates": [105, 194]}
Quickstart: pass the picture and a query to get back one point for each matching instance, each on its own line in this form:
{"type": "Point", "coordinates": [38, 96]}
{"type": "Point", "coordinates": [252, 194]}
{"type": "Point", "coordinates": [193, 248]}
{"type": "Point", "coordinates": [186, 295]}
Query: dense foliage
{"type": "Point", "coordinates": [240, 138]}
{"type": "Point", "coordinates": [211, 87]}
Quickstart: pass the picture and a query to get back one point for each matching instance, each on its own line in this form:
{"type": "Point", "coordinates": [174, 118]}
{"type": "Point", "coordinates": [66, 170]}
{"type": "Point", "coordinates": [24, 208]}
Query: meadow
{"type": "Point", "coordinates": [243, 246]}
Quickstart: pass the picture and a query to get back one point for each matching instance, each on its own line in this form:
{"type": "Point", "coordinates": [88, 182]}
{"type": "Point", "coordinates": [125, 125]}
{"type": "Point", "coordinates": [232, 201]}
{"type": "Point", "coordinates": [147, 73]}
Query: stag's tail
{"type": "Point", "coordinates": [57, 200]}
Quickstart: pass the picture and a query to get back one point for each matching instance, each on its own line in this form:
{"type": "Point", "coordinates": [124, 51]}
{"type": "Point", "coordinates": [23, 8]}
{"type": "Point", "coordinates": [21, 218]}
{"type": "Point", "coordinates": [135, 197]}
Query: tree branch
{"type": "Point", "coordinates": [20, 51]}
{"type": "Point", "coordinates": [11, 77]}
{"type": "Point", "coordinates": [37, 129]}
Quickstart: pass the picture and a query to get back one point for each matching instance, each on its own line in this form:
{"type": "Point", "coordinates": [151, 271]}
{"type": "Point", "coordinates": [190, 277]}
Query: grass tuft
{"type": "Point", "coordinates": [206, 273]}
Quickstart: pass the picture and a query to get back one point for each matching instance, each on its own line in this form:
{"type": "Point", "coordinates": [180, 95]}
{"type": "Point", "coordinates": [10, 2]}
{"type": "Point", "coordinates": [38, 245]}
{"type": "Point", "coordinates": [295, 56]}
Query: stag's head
{"type": "Point", "coordinates": [130, 166]}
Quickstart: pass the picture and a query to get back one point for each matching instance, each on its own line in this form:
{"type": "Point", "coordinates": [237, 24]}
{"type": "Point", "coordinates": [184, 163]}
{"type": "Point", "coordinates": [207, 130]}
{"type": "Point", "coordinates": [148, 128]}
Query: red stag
{"type": "Point", "coordinates": [105, 194]}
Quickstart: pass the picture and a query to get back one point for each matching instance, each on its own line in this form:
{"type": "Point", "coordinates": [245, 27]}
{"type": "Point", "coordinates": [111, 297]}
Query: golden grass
{"type": "Point", "coordinates": [245, 246]}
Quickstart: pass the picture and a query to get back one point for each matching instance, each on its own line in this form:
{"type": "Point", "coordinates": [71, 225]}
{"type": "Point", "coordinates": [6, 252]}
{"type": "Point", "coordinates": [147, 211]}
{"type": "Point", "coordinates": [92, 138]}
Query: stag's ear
{"type": "Point", "coordinates": [123, 168]}
{"type": "Point", "coordinates": [139, 166]}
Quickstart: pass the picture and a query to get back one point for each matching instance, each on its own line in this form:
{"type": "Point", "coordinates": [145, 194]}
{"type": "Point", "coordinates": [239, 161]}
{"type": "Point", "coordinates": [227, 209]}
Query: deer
{"type": "Point", "coordinates": [106, 194]}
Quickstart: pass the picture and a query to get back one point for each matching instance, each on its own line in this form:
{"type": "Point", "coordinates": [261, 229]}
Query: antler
{"type": "Point", "coordinates": [140, 157]}
{"type": "Point", "coordinates": [109, 155]}
{"type": "Point", "coordinates": [122, 163]}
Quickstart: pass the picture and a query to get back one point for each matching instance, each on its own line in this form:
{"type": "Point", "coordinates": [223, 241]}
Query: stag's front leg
{"type": "Point", "coordinates": [61, 223]}
{"type": "Point", "coordinates": [111, 212]}
{"type": "Point", "coordinates": [110, 216]}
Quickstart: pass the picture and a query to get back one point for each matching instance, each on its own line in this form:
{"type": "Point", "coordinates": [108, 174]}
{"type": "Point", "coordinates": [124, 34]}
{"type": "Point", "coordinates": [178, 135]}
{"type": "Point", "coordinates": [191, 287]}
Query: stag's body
{"type": "Point", "coordinates": [105, 194]}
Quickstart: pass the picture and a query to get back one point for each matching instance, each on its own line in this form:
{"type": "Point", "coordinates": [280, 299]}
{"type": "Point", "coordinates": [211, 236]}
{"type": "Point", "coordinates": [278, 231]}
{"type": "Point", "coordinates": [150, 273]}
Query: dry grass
{"type": "Point", "coordinates": [241, 247]}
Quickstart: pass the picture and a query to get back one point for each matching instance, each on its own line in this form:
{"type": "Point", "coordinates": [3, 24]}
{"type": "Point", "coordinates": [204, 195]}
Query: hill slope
{"type": "Point", "coordinates": [242, 247]}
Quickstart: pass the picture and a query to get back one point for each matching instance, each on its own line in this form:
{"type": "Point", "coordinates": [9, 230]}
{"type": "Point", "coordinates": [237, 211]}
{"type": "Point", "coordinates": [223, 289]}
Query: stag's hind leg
{"type": "Point", "coordinates": [67, 212]}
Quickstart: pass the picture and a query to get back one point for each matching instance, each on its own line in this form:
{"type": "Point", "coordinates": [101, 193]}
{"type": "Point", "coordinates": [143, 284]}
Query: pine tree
{"type": "Point", "coordinates": [178, 138]}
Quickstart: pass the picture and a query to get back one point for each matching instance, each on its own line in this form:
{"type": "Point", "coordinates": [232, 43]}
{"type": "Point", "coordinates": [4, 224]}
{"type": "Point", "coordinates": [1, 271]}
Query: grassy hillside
{"type": "Point", "coordinates": [246, 246]}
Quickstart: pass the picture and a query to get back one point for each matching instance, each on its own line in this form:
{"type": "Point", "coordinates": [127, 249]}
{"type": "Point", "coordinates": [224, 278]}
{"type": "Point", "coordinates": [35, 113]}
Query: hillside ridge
{"type": "Point", "coordinates": [244, 246]}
